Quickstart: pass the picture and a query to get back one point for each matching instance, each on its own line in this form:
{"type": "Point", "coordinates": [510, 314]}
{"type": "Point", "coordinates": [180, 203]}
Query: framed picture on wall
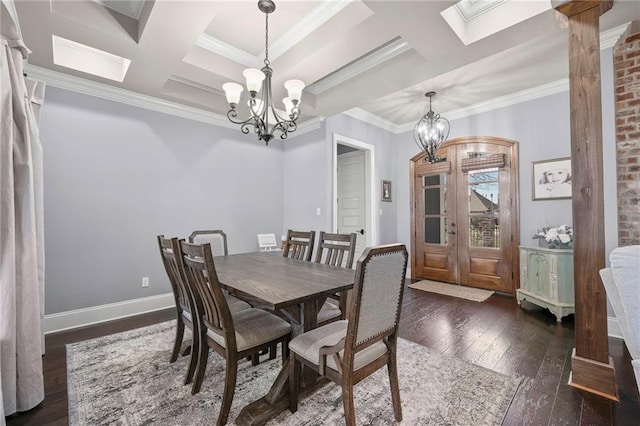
{"type": "Point", "coordinates": [386, 190]}
{"type": "Point", "coordinates": [551, 179]}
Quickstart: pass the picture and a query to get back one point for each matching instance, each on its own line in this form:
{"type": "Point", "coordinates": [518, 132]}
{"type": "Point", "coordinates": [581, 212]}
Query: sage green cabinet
{"type": "Point", "coordinates": [546, 279]}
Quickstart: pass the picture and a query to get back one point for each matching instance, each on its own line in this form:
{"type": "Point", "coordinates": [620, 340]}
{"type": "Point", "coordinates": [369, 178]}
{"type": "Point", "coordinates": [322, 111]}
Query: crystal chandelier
{"type": "Point", "coordinates": [431, 131]}
{"type": "Point", "coordinates": [263, 116]}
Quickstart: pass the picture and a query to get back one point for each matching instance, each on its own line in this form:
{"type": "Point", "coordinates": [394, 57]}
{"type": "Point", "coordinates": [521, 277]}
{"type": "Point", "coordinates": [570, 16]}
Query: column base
{"type": "Point", "coordinates": [594, 377]}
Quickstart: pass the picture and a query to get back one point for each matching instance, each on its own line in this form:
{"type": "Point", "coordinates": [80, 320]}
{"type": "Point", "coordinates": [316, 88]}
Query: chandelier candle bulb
{"type": "Point", "coordinates": [288, 106]}
{"type": "Point", "coordinates": [294, 89]}
{"type": "Point", "coordinates": [254, 78]}
{"type": "Point", "coordinates": [233, 92]}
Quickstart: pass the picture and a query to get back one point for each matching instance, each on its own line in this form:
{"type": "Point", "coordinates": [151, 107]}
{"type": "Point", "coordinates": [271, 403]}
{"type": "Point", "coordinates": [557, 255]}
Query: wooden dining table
{"type": "Point", "coordinates": [295, 289]}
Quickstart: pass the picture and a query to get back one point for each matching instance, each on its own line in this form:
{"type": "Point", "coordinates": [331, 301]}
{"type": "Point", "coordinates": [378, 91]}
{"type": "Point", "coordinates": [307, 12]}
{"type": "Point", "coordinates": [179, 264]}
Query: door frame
{"type": "Point", "coordinates": [514, 197]}
{"type": "Point", "coordinates": [369, 184]}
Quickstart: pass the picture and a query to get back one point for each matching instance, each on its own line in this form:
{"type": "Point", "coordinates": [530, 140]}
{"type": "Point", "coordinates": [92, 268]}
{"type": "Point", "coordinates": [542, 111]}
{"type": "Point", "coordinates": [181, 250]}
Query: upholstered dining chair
{"type": "Point", "coordinates": [185, 305]}
{"type": "Point", "coordinates": [243, 334]}
{"type": "Point", "coordinates": [347, 351]}
{"type": "Point", "coordinates": [335, 250]}
{"type": "Point", "coordinates": [299, 245]}
{"type": "Point", "coordinates": [216, 237]}
{"type": "Point", "coordinates": [218, 240]}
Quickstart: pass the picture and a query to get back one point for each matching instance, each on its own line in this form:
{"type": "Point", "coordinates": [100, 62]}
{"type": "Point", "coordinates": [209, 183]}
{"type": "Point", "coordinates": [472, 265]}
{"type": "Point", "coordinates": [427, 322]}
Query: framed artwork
{"type": "Point", "coordinates": [551, 179]}
{"type": "Point", "coordinates": [386, 190]}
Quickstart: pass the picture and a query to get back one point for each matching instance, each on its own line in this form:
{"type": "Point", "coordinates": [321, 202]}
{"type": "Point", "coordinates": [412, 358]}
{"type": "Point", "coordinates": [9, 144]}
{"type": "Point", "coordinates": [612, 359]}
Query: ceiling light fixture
{"type": "Point", "coordinates": [264, 117]}
{"type": "Point", "coordinates": [431, 131]}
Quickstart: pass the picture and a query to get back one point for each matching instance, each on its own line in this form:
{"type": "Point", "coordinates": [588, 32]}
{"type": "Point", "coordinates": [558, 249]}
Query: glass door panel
{"type": "Point", "coordinates": [435, 209]}
{"type": "Point", "coordinates": [484, 208]}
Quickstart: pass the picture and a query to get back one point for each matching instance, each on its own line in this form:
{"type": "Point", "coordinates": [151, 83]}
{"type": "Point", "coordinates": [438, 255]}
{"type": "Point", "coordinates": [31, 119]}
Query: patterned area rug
{"type": "Point", "coordinates": [462, 292]}
{"type": "Point", "coordinates": [126, 379]}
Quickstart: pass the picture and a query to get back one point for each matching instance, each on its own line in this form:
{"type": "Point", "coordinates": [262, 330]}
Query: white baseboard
{"type": "Point", "coordinates": [613, 327]}
{"type": "Point", "coordinates": [102, 313]}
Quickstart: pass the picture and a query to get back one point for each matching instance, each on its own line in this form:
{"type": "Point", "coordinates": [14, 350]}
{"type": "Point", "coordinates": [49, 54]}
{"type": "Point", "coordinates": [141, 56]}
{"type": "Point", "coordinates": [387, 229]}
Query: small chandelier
{"type": "Point", "coordinates": [431, 131]}
{"type": "Point", "coordinates": [264, 117]}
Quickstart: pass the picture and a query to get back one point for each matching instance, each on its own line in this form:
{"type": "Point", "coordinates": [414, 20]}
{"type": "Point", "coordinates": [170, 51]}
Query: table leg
{"type": "Point", "coordinates": [276, 400]}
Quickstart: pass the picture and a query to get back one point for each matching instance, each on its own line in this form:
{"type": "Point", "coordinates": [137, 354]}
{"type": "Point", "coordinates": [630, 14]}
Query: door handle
{"type": "Point", "coordinates": [361, 232]}
{"type": "Point", "coordinates": [452, 232]}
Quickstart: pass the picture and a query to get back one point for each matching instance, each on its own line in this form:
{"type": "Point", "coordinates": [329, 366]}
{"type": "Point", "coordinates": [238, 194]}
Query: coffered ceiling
{"type": "Point", "coordinates": [373, 58]}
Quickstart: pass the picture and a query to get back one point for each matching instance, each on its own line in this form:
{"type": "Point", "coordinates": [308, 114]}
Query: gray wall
{"type": "Point", "coordinates": [308, 178]}
{"type": "Point", "coordinates": [116, 176]}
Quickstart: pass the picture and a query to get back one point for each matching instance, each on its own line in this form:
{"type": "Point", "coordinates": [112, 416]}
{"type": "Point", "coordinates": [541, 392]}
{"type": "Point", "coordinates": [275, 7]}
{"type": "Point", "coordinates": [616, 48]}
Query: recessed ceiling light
{"type": "Point", "coordinates": [80, 57]}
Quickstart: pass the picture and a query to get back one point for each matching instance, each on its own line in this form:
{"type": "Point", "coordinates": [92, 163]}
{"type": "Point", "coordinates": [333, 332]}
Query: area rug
{"type": "Point", "coordinates": [462, 292]}
{"type": "Point", "coordinates": [126, 379]}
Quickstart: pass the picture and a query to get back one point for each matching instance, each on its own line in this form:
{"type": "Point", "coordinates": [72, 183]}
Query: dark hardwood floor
{"type": "Point", "coordinates": [496, 334]}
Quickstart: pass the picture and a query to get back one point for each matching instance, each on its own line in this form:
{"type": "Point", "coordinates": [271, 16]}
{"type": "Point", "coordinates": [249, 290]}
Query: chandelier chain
{"type": "Point", "coordinates": [266, 39]}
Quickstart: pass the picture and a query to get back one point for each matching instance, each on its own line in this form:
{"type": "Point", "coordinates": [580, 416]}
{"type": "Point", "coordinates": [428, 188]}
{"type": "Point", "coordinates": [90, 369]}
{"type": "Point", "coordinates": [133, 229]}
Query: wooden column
{"type": "Point", "coordinates": [591, 367]}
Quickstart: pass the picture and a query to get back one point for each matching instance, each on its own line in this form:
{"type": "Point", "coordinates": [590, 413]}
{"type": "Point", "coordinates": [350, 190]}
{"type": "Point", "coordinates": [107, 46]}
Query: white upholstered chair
{"type": "Point", "coordinates": [218, 241]}
{"type": "Point", "coordinates": [622, 284]}
{"type": "Point", "coordinates": [349, 350]}
{"type": "Point", "coordinates": [216, 237]}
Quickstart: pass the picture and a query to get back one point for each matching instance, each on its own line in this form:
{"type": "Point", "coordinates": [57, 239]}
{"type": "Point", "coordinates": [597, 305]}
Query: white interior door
{"type": "Point", "coordinates": [351, 197]}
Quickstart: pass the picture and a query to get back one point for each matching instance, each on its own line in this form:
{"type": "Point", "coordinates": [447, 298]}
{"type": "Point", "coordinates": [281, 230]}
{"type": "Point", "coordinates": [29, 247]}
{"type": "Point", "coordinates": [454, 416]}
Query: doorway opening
{"type": "Point", "coordinates": [353, 190]}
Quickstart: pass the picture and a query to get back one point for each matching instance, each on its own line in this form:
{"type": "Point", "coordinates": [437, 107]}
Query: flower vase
{"type": "Point", "coordinates": [543, 243]}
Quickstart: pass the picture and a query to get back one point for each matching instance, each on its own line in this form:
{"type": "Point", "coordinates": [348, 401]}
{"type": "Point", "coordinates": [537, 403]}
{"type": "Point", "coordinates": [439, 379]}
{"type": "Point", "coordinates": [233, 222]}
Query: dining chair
{"type": "Point", "coordinates": [243, 334]}
{"type": "Point", "coordinates": [349, 350]}
{"type": "Point", "coordinates": [335, 250]}
{"type": "Point", "coordinates": [299, 245]}
{"type": "Point", "coordinates": [185, 305]}
{"type": "Point", "coordinates": [217, 238]}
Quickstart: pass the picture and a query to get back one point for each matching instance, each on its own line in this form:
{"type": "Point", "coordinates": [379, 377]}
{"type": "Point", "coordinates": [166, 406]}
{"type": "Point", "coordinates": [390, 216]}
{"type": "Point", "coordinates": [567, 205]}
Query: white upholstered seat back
{"type": "Point", "coordinates": [382, 285]}
{"type": "Point", "coordinates": [217, 239]}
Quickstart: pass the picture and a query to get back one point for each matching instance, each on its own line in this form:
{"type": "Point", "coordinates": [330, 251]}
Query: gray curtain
{"type": "Point", "coordinates": [21, 225]}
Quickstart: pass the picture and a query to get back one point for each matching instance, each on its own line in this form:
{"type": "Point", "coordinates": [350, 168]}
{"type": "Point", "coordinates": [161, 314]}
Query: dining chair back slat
{"type": "Point", "coordinates": [201, 272]}
{"type": "Point", "coordinates": [299, 245]}
{"type": "Point", "coordinates": [334, 247]}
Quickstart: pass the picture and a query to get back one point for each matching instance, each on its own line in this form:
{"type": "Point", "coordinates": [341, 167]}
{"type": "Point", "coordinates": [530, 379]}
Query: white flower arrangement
{"type": "Point", "coordinates": [557, 237]}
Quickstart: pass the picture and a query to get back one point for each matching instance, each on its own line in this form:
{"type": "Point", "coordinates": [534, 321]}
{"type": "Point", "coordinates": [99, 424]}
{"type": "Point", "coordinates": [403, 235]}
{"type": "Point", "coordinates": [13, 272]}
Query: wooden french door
{"type": "Point", "coordinates": [465, 214]}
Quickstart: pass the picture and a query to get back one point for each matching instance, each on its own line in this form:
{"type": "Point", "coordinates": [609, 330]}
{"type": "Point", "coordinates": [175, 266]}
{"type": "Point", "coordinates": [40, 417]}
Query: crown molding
{"type": "Point", "coordinates": [228, 51]}
{"type": "Point", "coordinates": [298, 31]}
{"type": "Point", "coordinates": [305, 26]}
{"type": "Point", "coordinates": [375, 120]}
{"type": "Point", "coordinates": [308, 126]}
{"type": "Point", "coordinates": [610, 37]}
{"type": "Point", "coordinates": [357, 67]}
{"type": "Point", "coordinates": [104, 91]}
{"type": "Point", "coordinates": [500, 102]}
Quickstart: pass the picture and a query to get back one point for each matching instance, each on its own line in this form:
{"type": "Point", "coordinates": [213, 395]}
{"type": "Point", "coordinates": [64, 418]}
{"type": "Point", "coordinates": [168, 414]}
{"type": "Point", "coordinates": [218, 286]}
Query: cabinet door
{"type": "Point", "coordinates": [538, 274]}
